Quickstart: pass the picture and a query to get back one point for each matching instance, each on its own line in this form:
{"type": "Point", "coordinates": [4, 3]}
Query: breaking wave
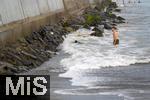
{"type": "Point", "coordinates": [96, 52]}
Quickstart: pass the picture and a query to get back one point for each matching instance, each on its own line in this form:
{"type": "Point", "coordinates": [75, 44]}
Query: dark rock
{"type": "Point", "coordinates": [120, 18]}
{"type": "Point", "coordinates": [98, 31]}
{"type": "Point", "coordinates": [29, 55]}
{"type": "Point", "coordinates": [28, 39]}
{"type": "Point", "coordinates": [28, 63]}
{"type": "Point", "coordinates": [108, 10]}
{"type": "Point", "coordinates": [118, 21]}
{"type": "Point", "coordinates": [113, 5]}
{"type": "Point", "coordinates": [107, 26]}
{"type": "Point", "coordinates": [101, 28]}
{"type": "Point", "coordinates": [17, 60]}
{"type": "Point", "coordinates": [117, 10]}
{"type": "Point", "coordinates": [22, 69]}
{"type": "Point", "coordinates": [103, 16]}
{"type": "Point", "coordinates": [6, 68]}
{"type": "Point", "coordinates": [76, 21]}
{"type": "Point", "coordinates": [87, 26]}
{"type": "Point", "coordinates": [76, 27]}
{"type": "Point", "coordinates": [112, 16]}
{"type": "Point", "coordinates": [50, 53]}
{"type": "Point", "coordinates": [76, 41]}
{"type": "Point", "coordinates": [69, 29]}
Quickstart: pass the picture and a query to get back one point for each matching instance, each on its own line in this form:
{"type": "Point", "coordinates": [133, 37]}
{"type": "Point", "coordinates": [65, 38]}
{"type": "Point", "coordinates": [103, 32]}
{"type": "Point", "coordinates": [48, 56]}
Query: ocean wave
{"type": "Point", "coordinates": [98, 52]}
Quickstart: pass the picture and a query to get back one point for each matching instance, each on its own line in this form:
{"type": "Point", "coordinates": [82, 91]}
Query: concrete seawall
{"type": "Point", "coordinates": [22, 17]}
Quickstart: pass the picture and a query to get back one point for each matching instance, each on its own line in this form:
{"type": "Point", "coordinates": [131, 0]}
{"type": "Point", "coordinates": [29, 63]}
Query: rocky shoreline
{"type": "Point", "coordinates": [33, 50]}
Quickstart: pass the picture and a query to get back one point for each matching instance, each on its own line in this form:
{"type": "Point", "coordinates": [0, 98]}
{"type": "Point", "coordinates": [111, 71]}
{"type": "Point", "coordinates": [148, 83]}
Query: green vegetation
{"type": "Point", "coordinates": [111, 15]}
{"type": "Point", "coordinates": [91, 19]}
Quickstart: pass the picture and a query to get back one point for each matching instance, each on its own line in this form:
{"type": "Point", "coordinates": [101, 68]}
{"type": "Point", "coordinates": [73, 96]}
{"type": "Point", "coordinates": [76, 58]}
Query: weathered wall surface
{"type": "Point", "coordinates": [10, 11]}
{"type": "Point", "coordinates": [19, 17]}
{"type": "Point", "coordinates": [14, 10]}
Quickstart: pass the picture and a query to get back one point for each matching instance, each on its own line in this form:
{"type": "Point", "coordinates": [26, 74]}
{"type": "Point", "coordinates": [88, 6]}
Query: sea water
{"type": "Point", "coordinates": [100, 68]}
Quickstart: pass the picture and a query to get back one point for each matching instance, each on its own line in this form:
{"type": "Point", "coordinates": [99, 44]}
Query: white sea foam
{"type": "Point", "coordinates": [97, 52]}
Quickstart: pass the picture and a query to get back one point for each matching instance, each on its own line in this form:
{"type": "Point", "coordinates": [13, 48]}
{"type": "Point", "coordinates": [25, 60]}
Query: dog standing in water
{"type": "Point", "coordinates": [115, 36]}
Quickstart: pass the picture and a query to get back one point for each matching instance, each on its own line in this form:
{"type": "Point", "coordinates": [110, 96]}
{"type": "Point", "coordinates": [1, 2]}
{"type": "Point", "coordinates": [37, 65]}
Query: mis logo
{"type": "Point", "coordinates": [25, 87]}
